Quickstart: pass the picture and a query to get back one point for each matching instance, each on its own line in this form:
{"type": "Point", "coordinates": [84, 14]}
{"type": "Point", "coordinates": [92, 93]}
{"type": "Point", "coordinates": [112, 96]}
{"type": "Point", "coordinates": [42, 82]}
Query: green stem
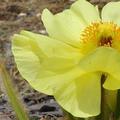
{"type": "Point", "coordinates": [12, 94]}
{"type": "Point", "coordinates": [108, 103]}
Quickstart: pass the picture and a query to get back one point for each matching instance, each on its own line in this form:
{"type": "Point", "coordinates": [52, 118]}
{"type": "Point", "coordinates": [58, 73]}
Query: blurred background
{"type": "Point", "coordinates": [16, 15]}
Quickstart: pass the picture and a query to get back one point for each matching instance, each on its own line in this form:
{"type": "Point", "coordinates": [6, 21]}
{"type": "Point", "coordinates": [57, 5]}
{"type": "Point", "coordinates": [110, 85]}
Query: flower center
{"type": "Point", "coordinates": [99, 34]}
{"type": "Point", "coordinates": [106, 41]}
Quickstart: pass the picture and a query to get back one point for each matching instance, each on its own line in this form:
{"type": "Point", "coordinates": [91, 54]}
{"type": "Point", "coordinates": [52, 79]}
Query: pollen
{"type": "Point", "coordinates": [100, 34]}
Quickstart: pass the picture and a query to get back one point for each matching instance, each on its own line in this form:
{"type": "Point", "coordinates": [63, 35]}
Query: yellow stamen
{"type": "Point", "coordinates": [100, 34]}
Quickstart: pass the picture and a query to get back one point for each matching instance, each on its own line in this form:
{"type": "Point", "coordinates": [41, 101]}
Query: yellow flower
{"type": "Point", "coordinates": [81, 47]}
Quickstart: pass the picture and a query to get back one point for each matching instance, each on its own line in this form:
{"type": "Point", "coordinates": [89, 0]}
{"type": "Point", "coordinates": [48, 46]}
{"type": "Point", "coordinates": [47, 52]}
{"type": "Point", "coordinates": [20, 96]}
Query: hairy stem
{"type": "Point", "coordinates": [12, 94]}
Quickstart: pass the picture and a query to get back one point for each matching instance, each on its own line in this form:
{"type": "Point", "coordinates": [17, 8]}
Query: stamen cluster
{"type": "Point", "coordinates": [99, 34]}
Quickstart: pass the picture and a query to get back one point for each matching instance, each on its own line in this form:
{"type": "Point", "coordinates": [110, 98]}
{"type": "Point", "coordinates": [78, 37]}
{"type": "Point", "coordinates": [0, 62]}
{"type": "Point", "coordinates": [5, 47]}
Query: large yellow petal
{"type": "Point", "coordinates": [42, 60]}
{"type": "Point", "coordinates": [86, 11]}
{"type": "Point", "coordinates": [105, 60]}
{"type": "Point", "coordinates": [65, 26]}
{"type": "Point", "coordinates": [111, 12]}
{"type": "Point", "coordinates": [81, 97]}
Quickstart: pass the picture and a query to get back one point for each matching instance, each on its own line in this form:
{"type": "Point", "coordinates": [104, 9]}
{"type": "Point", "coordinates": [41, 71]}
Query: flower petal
{"type": "Point", "coordinates": [111, 83]}
{"type": "Point", "coordinates": [86, 11]}
{"type": "Point", "coordinates": [65, 26]}
{"type": "Point", "coordinates": [40, 59]}
{"type": "Point", "coordinates": [106, 60]}
{"type": "Point", "coordinates": [111, 12]}
{"type": "Point", "coordinates": [81, 97]}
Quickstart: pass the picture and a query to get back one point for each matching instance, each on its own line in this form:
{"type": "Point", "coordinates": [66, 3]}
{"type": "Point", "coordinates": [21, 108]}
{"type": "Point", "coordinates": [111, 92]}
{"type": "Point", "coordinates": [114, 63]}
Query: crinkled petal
{"type": "Point", "coordinates": [105, 60]}
{"type": "Point", "coordinates": [111, 12]}
{"type": "Point", "coordinates": [42, 60]}
{"type": "Point", "coordinates": [65, 26]}
{"type": "Point", "coordinates": [86, 11]}
{"type": "Point", "coordinates": [81, 97]}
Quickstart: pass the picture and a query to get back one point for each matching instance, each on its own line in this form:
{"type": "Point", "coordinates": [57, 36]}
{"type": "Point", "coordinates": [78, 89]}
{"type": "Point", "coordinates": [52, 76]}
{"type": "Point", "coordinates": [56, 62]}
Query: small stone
{"type": "Point", "coordinates": [22, 15]}
{"type": "Point", "coordinates": [38, 14]}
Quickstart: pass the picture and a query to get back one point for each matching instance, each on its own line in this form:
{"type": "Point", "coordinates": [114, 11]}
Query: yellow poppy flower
{"type": "Point", "coordinates": [82, 46]}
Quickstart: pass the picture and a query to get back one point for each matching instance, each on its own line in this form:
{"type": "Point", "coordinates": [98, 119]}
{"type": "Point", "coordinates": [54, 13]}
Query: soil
{"type": "Point", "coordinates": [16, 15]}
